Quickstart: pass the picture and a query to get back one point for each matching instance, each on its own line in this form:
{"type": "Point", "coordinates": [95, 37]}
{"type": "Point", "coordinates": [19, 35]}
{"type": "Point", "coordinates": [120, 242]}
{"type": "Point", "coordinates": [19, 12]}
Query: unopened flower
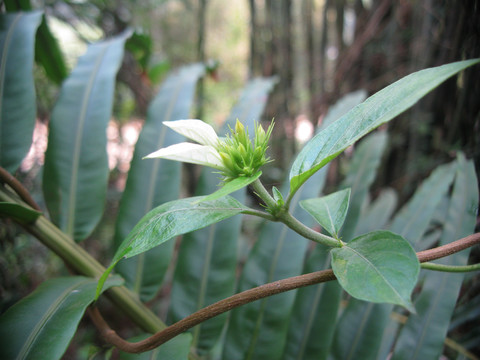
{"type": "Point", "coordinates": [234, 156]}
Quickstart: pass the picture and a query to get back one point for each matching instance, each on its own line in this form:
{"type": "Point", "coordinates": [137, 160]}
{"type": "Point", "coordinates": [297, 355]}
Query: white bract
{"type": "Point", "coordinates": [235, 155]}
{"type": "Point", "coordinates": [203, 153]}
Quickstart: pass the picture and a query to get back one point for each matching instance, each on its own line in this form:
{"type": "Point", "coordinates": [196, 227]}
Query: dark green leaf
{"type": "Point", "coordinates": [176, 349]}
{"type": "Point", "coordinates": [42, 324]}
{"type": "Point", "coordinates": [19, 212]}
{"type": "Point", "coordinates": [379, 266]}
{"type": "Point", "coordinates": [329, 210]}
{"type": "Point", "coordinates": [154, 181]}
{"type": "Point", "coordinates": [76, 165]}
{"type": "Point", "coordinates": [17, 91]}
{"type": "Point", "coordinates": [423, 336]}
{"type": "Point", "coordinates": [375, 111]}
{"type": "Point", "coordinates": [171, 219]}
{"type": "Point", "coordinates": [207, 258]}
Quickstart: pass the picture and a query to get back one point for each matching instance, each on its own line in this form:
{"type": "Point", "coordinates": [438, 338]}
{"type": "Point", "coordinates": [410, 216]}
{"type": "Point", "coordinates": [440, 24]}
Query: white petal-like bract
{"type": "Point", "coordinates": [195, 130]}
{"type": "Point", "coordinates": [190, 153]}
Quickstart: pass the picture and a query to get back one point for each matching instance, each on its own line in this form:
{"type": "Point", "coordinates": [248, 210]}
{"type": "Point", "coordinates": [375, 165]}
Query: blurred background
{"type": "Point", "coordinates": [318, 50]}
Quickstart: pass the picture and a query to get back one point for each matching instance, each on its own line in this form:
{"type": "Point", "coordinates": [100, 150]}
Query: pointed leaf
{"type": "Point", "coordinates": [43, 323]}
{"type": "Point", "coordinates": [155, 181]}
{"type": "Point", "coordinates": [379, 266]}
{"type": "Point", "coordinates": [169, 220]}
{"type": "Point", "coordinates": [76, 165]}
{"type": "Point", "coordinates": [329, 211]}
{"type": "Point", "coordinates": [375, 111]}
{"type": "Point", "coordinates": [17, 91]}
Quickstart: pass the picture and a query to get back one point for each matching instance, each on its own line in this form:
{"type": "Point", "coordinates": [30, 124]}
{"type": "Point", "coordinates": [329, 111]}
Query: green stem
{"type": "Point", "coordinates": [308, 233]}
{"type": "Point", "coordinates": [264, 194]}
{"type": "Point", "coordinates": [83, 263]}
{"type": "Point", "coordinates": [285, 217]}
{"type": "Point", "coordinates": [261, 214]}
{"type": "Point", "coordinates": [450, 268]}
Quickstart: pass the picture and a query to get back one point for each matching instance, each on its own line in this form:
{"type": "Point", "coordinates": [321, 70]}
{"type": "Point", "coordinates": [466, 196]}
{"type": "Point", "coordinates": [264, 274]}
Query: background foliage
{"type": "Point", "coordinates": [316, 55]}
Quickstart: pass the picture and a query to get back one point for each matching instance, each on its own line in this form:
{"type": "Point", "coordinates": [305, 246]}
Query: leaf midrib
{"type": "Point", "coordinates": [149, 203]}
{"type": "Point", "coordinates": [44, 319]}
{"type": "Point", "coordinates": [78, 141]}
{"type": "Point", "coordinates": [8, 39]}
{"type": "Point", "coordinates": [376, 270]}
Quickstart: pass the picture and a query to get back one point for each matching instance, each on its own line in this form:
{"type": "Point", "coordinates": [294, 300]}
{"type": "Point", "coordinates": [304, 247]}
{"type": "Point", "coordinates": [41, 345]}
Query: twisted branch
{"type": "Point", "coordinates": [248, 296]}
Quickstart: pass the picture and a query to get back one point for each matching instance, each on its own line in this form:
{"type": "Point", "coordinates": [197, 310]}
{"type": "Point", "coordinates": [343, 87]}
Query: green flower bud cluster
{"type": "Point", "coordinates": [239, 156]}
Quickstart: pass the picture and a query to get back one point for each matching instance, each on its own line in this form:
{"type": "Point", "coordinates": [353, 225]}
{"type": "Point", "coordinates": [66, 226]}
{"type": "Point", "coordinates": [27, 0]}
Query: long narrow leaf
{"type": "Point", "coordinates": [207, 258]}
{"type": "Point", "coordinates": [42, 324]}
{"type": "Point", "coordinates": [423, 335]}
{"type": "Point", "coordinates": [375, 111]}
{"type": "Point", "coordinates": [76, 164]}
{"type": "Point", "coordinates": [17, 91]}
{"type": "Point", "coordinates": [152, 182]}
{"type": "Point", "coordinates": [47, 51]}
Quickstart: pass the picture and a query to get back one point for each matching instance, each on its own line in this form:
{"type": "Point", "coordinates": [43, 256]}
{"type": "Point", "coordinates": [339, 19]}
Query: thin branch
{"type": "Point", "coordinates": [450, 268]}
{"type": "Point", "coordinates": [251, 295]}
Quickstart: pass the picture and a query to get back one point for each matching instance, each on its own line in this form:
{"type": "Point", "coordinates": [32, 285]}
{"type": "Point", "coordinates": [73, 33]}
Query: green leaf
{"type": "Point", "coordinates": [169, 220]}
{"type": "Point", "coordinates": [379, 267]}
{"type": "Point", "coordinates": [47, 51]}
{"type": "Point", "coordinates": [232, 186]}
{"type": "Point", "coordinates": [19, 212]}
{"type": "Point", "coordinates": [43, 323]}
{"type": "Point", "coordinates": [155, 181]}
{"type": "Point", "coordinates": [329, 211]}
{"type": "Point", "coordinates": [375, 111]}
{"type": "Point", "coordinates": [177, 348]}
{"type": "Point", "coordinates": [207, 259]}
{"type": "Point", "coordinates": [76, 165]}
{"type": "Point", "coordinates": [17, 91]}
{"type": "Point", "coordinates": [423, 335]}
